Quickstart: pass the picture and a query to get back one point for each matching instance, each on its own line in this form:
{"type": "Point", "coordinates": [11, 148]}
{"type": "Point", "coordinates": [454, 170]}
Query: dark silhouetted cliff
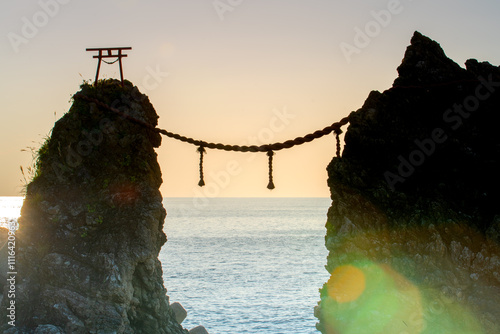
{"type": "Point", "coordinates": [92, 224]}
{"type": "Point", "coordinates": [414, 228]}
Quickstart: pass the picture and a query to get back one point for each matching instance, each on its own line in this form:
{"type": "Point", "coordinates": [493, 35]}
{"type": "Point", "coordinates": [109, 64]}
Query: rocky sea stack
{"type": "Point", "coordinates": [414, 228]}
{"type": "Point", "coordinates": [92, 224]}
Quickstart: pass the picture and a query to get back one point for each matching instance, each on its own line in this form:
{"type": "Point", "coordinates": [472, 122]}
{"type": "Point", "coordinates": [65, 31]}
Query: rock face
{"type": "Point", "coordinates": [91, 226]}
{"type": "Point", "coordinates": [414, 228]}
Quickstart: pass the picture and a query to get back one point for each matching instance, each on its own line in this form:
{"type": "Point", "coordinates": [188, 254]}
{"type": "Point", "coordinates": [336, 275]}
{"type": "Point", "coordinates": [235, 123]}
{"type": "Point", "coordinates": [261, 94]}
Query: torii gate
{"type": "Point", "coordinates": [109, 54]}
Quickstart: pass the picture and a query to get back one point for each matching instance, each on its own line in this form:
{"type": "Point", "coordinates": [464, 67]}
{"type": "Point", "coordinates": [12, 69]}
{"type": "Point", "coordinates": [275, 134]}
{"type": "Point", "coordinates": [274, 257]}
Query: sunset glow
{"type": "Point", "coordinates": [252, 72]}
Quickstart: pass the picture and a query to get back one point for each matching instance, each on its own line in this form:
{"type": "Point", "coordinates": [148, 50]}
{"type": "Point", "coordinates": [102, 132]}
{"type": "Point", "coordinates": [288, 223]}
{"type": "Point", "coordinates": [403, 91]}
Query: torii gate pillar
{"type": "Point", "coordinates": [109, 54]}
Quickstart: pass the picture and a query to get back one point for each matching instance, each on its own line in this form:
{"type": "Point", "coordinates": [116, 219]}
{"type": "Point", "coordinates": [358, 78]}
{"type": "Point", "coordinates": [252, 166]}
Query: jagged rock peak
{"type": "Point", "coordinates": [425, 62]}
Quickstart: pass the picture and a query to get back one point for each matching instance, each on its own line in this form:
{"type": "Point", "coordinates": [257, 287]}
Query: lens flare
{"type": "Point", "coordinates": [372, 298]}
{"type": "Point", "coordinates": [365, 297]}
{"type": "Point", "coordinates": [346, 284]}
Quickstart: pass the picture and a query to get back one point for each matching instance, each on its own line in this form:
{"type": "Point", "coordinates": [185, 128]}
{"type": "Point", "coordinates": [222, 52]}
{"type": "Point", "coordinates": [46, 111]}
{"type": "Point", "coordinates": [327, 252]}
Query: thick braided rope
{"type": "Point", "coordinates": [270, 148]}
{"type": "Point", "coordinates": [335, 127]}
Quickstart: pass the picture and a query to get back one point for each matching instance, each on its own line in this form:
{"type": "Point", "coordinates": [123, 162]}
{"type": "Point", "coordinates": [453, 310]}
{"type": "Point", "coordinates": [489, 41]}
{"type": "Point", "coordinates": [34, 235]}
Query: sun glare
{"type": "Point", "coordinates": [10, 209]}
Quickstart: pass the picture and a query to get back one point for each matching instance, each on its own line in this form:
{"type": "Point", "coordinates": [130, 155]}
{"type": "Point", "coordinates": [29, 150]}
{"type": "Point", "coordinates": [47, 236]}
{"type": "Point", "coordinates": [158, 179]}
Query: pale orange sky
{"type": "Point", "coordinates": [224, 71]}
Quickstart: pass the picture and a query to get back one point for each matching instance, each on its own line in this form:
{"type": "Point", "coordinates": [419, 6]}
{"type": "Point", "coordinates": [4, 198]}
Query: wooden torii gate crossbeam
{"type": "Point", "coordinates": [109, 54]}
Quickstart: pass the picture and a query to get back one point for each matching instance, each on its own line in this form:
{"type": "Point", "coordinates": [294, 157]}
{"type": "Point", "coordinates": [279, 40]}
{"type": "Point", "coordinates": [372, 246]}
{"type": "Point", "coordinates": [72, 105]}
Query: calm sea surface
{"type": "Point", "coordinates": [245, 265]}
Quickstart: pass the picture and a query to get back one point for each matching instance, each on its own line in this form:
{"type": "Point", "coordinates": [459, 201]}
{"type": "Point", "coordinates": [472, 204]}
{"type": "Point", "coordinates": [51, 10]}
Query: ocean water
{"type": "Point", "coordinates": [10, 209]}
{"type": "Point", "coordinates": [245, 265]}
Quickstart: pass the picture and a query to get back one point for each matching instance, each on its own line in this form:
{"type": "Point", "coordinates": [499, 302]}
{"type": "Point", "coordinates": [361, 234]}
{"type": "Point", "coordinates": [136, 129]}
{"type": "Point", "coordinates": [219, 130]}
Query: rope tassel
{"type": "Point", "coordinates": [338, 132]}
{"type": "Point", "coordinates": [202, 150]}
{"type": "Point", "coordinates": [270, 186]}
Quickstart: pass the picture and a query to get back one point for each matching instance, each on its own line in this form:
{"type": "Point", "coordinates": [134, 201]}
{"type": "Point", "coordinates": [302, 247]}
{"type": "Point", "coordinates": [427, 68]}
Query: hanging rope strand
{"type": "Point", "coordinates": [338, 132]}
{"type": "Point", "coordinates": [202, 151]}
{"type": "Point", "coordinates": [270, 185]}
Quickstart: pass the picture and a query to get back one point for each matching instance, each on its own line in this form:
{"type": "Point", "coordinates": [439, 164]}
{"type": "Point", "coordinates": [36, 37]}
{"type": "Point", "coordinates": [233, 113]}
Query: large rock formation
{"type": "Point", "coordinates": [414, 228]}
{"type": "Point", "coordinates": [92, 224]}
